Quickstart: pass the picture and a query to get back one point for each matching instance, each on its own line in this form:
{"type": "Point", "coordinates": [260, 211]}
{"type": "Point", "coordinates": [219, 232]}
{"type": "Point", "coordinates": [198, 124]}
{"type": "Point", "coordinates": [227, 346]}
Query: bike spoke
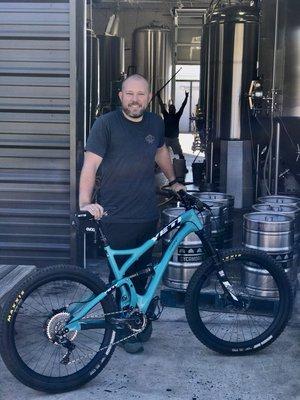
{"type": "Point", "coordinates": [31, 326]}
{"type": "Point", "coordinates": [227, 321]}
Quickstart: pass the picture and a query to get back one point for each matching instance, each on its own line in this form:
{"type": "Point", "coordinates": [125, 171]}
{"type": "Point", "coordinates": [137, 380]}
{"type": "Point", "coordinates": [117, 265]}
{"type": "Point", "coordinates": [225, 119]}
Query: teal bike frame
{"type": "Point", "coordinates": [188, 222]}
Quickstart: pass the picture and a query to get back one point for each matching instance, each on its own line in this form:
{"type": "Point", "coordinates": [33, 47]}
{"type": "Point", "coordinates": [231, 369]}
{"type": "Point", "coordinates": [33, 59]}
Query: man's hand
{"type": "Point", "coordinates": [177, 186]}
{"type": "Point", "coordinates": [95, 209]}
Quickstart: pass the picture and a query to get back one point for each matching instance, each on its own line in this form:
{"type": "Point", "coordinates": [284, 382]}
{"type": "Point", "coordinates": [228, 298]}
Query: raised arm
{"type": "Point", "coordinates": [183, 104]}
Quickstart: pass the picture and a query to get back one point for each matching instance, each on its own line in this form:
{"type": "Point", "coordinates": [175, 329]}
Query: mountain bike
{"type": "Point", "coordinates": [61, 324]}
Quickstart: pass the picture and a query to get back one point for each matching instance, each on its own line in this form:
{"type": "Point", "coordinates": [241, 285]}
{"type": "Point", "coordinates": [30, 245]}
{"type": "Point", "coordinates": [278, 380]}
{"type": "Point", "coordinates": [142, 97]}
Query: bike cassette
{"type": "Point", "coordinates": [55, 325]}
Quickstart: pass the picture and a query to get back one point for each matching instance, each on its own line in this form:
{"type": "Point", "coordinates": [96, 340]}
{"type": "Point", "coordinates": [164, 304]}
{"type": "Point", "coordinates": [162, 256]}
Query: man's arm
{"type": "Point", "coordinates": [183, 104]}
{"type": "Point", "coordinates": [87, 183]}
{"type": "Point", "coordinates": [163, 159]}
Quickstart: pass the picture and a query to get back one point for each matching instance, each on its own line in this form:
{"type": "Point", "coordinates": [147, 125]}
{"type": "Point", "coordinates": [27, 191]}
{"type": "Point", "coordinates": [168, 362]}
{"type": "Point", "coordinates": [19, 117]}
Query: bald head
{"type": "Point", "coordinates": [136, 78]}
{"type": "Point", "coordinates": [135, 96]}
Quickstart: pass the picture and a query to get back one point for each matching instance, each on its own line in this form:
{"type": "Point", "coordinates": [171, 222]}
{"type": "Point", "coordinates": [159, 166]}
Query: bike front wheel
{"type": "Point", "coordinates": [33, 314]}
{"type": "Point", "coordinates": [265, 303]}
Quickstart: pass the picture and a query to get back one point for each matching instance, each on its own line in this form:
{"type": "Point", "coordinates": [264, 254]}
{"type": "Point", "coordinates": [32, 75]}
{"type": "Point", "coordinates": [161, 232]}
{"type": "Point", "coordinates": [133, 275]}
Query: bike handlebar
{"type": "Point", "coordinates": [188, 201]}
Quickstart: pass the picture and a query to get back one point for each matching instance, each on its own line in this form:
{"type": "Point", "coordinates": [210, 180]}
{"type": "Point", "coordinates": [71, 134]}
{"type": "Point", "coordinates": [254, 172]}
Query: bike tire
{"type": "Point", "coordinates": [26, 317]}
{"type": "Point", "coordinates": [216, 322]}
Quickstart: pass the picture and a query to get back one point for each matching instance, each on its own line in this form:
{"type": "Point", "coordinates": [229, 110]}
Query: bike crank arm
{"type": "Point", "coordinates": [95, 324]}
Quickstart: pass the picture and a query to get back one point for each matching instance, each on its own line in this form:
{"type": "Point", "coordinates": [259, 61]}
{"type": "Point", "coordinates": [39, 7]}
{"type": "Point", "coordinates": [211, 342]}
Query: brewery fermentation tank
{"type": "Point", "coordinates": [152, 58]}
{"type": "Point", "coordinates": [229, 65]}
{"type": "Point", "coordinates": [111, 63]}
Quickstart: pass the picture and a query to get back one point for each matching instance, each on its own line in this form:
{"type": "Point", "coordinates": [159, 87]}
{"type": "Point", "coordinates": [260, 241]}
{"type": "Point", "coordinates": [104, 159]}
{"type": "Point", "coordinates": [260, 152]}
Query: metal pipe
{"type": "Point", "coordinates": [256, 171]}
{"type": "Point", "coordinates": [274, 57]}
{"type": "Point", "coordinates": [270, 155]}
{"type": "Point", "coordinates": [273, 92]}
{"type": "Point", "coordinates": [211, 162]}
{"type": "Point", "coordinates": [277, 158]}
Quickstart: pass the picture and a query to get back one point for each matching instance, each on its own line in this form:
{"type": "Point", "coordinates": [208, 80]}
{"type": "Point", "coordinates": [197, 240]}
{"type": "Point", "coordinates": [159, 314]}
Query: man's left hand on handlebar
{"type": "Point", "coordinates": [177, 186]}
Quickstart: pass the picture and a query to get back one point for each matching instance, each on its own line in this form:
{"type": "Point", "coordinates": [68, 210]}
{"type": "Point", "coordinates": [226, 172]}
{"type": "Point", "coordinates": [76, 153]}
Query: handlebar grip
{"type": "Point", "coordinates": [84, 216]}
{"type": "Point", "coordinates": [166, 191]}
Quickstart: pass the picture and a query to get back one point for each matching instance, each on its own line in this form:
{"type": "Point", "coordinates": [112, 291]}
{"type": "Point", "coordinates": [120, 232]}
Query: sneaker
{"type": "Point", "coordinates": [132, 346]}
{"type": "Point", "coordinates": [145, 335]}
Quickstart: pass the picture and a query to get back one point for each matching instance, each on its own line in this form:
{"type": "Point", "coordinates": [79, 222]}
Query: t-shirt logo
{"type": "Point", "coordinates": [150, 139]}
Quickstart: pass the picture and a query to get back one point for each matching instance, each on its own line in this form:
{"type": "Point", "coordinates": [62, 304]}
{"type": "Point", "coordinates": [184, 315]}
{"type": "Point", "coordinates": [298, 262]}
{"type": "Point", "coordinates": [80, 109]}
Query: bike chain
{"type": "Point", "coordinates": [111, 344]}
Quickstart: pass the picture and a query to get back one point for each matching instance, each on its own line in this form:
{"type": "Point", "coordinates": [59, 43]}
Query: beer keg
{"type": "Point", "coordinates": [274, 234]}
{"type": "Point", "coordinates": [291, 211]}
{"type": "Point", "coordinates": [228, 201]}
{"type": "Point", "coordinates": [188, 256]}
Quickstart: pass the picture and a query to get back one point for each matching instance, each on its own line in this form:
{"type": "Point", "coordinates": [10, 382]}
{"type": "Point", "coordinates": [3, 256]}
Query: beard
{"type": "Point", "coordinates": [135, 112]}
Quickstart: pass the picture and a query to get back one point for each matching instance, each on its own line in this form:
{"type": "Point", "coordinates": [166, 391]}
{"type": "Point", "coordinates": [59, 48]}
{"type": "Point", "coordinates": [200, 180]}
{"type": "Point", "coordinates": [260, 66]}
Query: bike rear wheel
{"type": "Point", "coordinates": [34, 312]}
{"type": "Point", "coordinates": [259, 319]}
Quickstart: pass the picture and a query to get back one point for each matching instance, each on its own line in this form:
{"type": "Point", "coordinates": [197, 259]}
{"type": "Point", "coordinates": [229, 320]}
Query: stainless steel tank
{"type": "Point", "coordinates": [111, 64]}
{"type": "Point", "coordinates": [279, 69]}
{"type": "Point", "coordinates": [152, 58]}
{"type": "Point", "coordinates": [274, 234]}
{"type": "Point", "coordinates": [279, 56]}
{"type": "Point", "coordinates": [189, 254]}
{"type": "Point", "coordinates": [230, 54]}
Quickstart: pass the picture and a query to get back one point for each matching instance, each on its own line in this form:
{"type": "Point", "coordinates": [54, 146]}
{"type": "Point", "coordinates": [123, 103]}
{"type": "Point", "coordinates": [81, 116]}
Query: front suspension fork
{"type": "Point", "coordinates": [213, 253]}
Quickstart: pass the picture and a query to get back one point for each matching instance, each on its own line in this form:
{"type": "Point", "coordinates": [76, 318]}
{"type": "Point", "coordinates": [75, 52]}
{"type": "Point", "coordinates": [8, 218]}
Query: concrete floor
{"type": "Point", "coordinates": [176, 365]}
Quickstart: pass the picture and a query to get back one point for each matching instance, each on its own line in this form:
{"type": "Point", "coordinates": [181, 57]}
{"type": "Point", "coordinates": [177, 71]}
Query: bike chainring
{"type": "Point", "coordinates": [136, 321]}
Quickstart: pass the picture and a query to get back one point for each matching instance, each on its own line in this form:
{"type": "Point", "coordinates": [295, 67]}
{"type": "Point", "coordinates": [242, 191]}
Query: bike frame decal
{"type": "Point", "coordinates": [188, 222]}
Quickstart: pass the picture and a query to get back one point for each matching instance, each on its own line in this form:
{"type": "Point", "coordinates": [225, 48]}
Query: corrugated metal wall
{"type": "Point", "coordinates": [37, 150]}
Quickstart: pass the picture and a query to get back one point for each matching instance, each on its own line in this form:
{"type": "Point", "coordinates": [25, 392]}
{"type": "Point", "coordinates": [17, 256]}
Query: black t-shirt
{"type": "Point", "coordinates": [171, 124]}
{"type": "Point", "coordinates": [127, 185]}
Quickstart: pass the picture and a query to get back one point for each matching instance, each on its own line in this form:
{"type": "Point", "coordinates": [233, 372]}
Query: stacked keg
{"type": "Point", "coordinates": [228, 201]}
{"type": "Point", "coordinates": [289, 206]}
{"type": "Point", "coordinates": [217, 222]}
{"type": "Point", "coordinates": [274, 234]}
{"type": "Point", "coordinates": [271, 228]}
{"type": "Point", "coordinates": [188, 256]}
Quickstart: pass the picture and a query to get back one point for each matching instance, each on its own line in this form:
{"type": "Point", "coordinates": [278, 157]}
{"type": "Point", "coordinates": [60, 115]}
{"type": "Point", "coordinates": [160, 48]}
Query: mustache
{"type": "Point", "coordinates": [134, 104]}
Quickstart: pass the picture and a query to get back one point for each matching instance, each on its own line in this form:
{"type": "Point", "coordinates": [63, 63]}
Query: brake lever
{"type": "Point", "coordinates": [206, 206]}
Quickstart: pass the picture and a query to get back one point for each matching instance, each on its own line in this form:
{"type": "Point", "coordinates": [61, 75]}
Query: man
{"type": "Point", "coordinates": [125, 144]}
{"type": "Point", "coordinates": [171, 120]}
